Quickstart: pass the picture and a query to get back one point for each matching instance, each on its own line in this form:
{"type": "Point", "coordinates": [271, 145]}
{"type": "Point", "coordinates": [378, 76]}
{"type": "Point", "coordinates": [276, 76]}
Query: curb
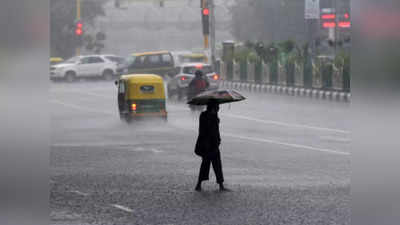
{"type": "Point", "coordinates": [292, 91]}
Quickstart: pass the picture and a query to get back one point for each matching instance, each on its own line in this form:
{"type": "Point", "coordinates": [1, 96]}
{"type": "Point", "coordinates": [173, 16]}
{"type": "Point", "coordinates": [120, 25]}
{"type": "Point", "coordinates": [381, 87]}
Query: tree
{"type": "Point", "coordinates": [63, 40]}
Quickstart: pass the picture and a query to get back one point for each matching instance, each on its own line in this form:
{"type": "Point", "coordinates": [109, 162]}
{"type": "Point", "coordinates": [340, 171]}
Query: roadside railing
{"type": "Point", "coordinates": [323, 75]}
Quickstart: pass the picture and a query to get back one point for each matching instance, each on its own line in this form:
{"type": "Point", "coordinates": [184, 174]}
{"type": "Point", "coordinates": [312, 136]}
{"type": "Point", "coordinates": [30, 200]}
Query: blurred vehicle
{"type": "Point", "coordinates": [141, 95]}
{"type": "Point", "coordinates": [160, 63]}
{"type": "Point", "coordinates": [55, 60]}
{"type": "Point", "coordinates": [90, 66]}
{"type": "Point", "coordinates": [117, 59]}
{"type": "Point", "coordinates": [178, 85]}
{"type": "Point", "coordinates": [182, 57]}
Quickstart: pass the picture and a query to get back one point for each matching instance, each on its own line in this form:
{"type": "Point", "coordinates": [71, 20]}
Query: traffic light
{"type": "Point", "coordinates": [328, 20]}
{"type": "Point", "coordinates": [205, 15]}
{"type": "Point", "coordinates": [345, 21]}
{"type": "Point", "coordinates": [79, 29]}
{"type": "Point", "coordinates": [329, 16]}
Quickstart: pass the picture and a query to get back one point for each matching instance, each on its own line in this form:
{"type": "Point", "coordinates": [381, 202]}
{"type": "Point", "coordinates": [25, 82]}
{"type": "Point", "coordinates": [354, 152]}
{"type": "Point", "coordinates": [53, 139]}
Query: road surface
{"type": "Point", "coordinates": [287, 160]}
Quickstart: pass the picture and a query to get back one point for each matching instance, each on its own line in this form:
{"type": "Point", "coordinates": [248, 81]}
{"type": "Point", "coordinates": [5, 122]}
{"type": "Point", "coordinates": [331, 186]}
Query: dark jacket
{"type": "Point", "coordinates": [197, 85]}
{"type": "Point", "coordinates": [209, 139]}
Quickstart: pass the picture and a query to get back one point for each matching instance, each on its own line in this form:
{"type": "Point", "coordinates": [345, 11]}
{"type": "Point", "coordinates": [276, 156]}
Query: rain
{"type": "Point", "coordinates": [200, 112]}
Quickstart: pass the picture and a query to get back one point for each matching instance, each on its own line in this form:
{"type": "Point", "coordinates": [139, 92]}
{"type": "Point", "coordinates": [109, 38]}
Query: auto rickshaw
{"type": "Point", "coordinates": [141, 95]}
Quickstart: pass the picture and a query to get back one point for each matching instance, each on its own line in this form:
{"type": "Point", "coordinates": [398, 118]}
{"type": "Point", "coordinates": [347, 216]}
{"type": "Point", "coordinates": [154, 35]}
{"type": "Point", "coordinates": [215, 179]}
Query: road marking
{"type": "Point", "coordinates": [335, 139]}
{"type": "Point", "coordinates": [121, 207]}
{"type": "Point", "coordinates": [239, 116]}
{"type": "Point", "coordinates": [285, 124]}
{"type": "Point", "coordinates": [88, 93]}
{"type": "Point", "coordinates": [156, 150]}
{"type": "Point", "coordinates": [114, 145]}
{"type": "Point", "coordinates": [288, 144]}
{"type": "Point", "coordinates": [324, 150]}
{"type": "Point", "coordinates": [230, 135]}
{"type": "Point", "coordinates": [141, 149]}
{"type": "Point", "coordinates": [276, 122]}
{"type": "Point", "coordinates": [79, 193]}
{"type": "Point", "coordinates": [80, 107]}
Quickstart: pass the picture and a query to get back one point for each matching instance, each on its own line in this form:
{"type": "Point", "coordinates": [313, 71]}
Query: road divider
{"type": "Point", "coordinates": [293, 91]}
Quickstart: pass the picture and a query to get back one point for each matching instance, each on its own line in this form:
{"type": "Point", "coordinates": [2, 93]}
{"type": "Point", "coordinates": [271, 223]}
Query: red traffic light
{"type": "Point", "coordinates": [329, 24]}
{"type": "Point", "coordinates": [346, 15]}
{"type": "Point", "coordinates": [328, 16]}
{"type": "Point", "coordinates": [78, 30]}
{"type": "Point", "coordinates": [206, 12]}
{"type": "Point", "coordinates": [344, 24]}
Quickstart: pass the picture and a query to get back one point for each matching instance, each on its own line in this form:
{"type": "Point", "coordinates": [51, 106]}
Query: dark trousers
{"type": "Point", "coordinates": [217, 166]}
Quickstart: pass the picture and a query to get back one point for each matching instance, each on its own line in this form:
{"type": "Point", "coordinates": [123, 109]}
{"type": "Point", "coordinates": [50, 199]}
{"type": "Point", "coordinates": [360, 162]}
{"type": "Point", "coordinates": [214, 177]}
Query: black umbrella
{"type": "Point", "coordinates": [220, 96]}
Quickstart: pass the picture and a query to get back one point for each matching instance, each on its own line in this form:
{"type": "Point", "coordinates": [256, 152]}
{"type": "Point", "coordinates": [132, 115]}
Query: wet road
{"type": "Point", "coordinates": [286, 158]}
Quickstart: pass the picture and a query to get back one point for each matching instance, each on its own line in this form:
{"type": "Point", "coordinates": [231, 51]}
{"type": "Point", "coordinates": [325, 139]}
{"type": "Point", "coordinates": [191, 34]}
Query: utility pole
{"type": "Point", "coordinates": [212, 32]}
{"type": "Point", "coordinates": [78, 18]}
{"type": "Point", "coordinates": [311, 15]}
{"type": "Point", "coordinates": [336, 30]}
{"type": "Point", "coordinates": [205, 20]}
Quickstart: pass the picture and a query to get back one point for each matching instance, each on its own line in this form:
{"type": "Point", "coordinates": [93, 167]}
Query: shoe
{"type": "Point", "coordinates": [222, 188]}
{"type": "Point", "coordinates": [225, 189]}
{"type": "Point", "coordinates": [198, 188]}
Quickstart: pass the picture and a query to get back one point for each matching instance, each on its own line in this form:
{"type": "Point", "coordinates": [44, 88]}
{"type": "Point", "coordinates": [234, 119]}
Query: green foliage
{"type": "Point", "coordinates": [63, 40]}
{"type": "Point", "coordinates": [342, 59]}
{"type": "Point", "coordinates": [287, 46]}
{"type": "Point", "coordinates": [246, 53]}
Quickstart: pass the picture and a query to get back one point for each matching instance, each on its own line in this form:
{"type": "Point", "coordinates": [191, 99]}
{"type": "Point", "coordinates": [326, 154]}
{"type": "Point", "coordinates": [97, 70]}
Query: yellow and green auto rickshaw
{"type": "Point", "coordinates": [141, 95]}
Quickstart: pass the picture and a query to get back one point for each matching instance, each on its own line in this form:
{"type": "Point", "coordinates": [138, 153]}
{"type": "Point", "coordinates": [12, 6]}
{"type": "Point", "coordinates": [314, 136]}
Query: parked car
{"type": "Point", "coordinates": [185, 73]}
{"type": "Point", "coordinates": [160, 63]}
{"type": "Point", "coordinates": [117, 59]}
{"type": "Point", "coordinates": [90, 66]}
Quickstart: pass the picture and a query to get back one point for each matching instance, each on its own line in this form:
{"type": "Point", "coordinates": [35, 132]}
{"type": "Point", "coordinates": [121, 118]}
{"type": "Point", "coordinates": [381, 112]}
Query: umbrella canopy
{"type": "Point", "coordinates": [220, 96]}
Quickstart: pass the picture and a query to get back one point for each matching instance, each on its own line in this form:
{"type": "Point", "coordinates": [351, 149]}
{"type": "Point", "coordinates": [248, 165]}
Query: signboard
{"type": "Point", "coordinates": [312, 10]}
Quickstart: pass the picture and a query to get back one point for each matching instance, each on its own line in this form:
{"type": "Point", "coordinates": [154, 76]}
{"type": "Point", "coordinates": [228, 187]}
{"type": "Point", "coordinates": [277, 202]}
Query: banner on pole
{"type": "Point", "coordinates": [312, 10]}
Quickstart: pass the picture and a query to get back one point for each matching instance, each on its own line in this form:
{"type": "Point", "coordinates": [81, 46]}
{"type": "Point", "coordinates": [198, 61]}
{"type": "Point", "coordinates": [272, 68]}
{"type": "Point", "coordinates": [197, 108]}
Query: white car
{"type": "Point", "coordinates": [102, 66]}
{"type": "Point", "coordinates": [185, 73]}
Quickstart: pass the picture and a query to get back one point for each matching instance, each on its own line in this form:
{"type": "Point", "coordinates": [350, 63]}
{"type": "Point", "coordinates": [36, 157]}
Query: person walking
{"type": "Point", "coordinates": [207, 146]}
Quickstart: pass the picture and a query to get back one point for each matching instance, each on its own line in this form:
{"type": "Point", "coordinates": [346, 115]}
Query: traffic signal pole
{"type": "Point", "coordinates": [205, 20]}
{"type": "Point", "coordinates": [78, 18]}
{"type": "Point", "coordinates": [212, 31]}
{"type": "Point", "coordinates": [206, 42]}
